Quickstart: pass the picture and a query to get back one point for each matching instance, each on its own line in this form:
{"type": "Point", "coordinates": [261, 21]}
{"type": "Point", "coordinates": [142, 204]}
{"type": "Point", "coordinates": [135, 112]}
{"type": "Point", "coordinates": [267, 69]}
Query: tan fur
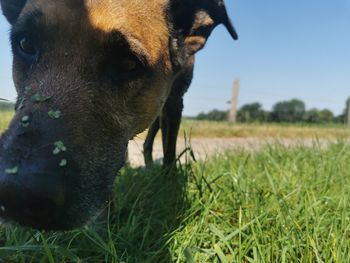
{"type": "Point", "coordinates": [197, 41]}
{"type": "Point", "coordinates": [143, 24]}
{"type": "Point", "coordinates": [202, 19]}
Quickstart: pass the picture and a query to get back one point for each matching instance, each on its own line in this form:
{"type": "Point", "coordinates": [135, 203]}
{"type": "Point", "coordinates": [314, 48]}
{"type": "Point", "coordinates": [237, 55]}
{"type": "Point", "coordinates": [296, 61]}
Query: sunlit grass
{"type": "Point", "coordinates": [268, 130]}
{"type": "Point", "coordinates": [274, 205]}
{"type": "Point", "coordinates": [5, 118]}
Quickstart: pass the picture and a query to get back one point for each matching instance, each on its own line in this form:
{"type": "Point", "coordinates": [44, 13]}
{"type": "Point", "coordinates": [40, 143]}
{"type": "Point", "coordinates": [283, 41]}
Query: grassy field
{"type": "Point", "coordinates": [274, 205]}
{"type": "Point", "coordinates": [5, 117]}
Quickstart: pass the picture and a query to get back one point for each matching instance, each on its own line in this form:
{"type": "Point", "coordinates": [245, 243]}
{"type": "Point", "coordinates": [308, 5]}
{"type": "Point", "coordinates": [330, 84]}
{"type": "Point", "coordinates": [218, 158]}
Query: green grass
{"type": "Point", "coordinates": [277, 204]}
{"type": "Point", "coordinates": [274, 205]}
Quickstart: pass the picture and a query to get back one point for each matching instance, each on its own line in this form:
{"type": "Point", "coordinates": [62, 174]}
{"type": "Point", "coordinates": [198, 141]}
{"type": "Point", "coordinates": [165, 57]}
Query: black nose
{"type": "Point", "coordinates": [32, 193]}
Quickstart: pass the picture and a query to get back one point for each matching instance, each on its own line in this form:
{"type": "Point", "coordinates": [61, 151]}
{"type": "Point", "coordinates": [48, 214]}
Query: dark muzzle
{"type": "Point", "coordinates": [35, 169]}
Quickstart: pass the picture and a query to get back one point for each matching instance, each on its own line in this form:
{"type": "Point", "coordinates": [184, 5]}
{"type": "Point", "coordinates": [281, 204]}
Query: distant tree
{"type": "Point", "coordinates": [339, 119]}
{"type": "Point", "coordinates": [6, 106]}
{"type": "Point", "coordinates": [326, 116]}
{"type": "Point", "coordinates": [342, 118]}
{"type": "Point", "coordinates": [252, 112]}
{"type": "Point", "coordinates": [214, 115]}
{"type": "Point", "coordinates": [202, 116]}
{"type": "Point", "coordinates": [312, 116]}
{"type": "Point", "coordinates": [288, 111]}
{"type": "Point", "coordinates": [318, 116]}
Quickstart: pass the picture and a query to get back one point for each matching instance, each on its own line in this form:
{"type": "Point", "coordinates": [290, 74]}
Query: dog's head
{"type": "Point", "coordinates": [90, 75]}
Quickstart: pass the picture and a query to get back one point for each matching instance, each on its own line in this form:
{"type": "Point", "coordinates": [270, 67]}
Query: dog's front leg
{"type": "Point", "coordinates": [148, 145]}
{"type": "Point", "coordinates": [170, 124]}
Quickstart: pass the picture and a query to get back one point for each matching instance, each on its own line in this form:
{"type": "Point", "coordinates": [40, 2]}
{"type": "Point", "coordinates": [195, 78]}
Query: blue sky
{"type": "Point", "coordinates": [287, 49]}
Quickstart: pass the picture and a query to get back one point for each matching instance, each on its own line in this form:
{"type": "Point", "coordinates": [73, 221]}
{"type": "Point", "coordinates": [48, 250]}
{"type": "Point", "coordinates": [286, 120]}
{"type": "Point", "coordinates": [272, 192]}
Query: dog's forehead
{"type": "Point", "coordinates": [142, 21]}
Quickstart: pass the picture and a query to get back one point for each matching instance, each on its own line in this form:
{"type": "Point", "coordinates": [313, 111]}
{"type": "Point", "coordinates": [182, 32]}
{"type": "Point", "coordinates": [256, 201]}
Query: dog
{"type": "Point", "coordinates": [90, 75]}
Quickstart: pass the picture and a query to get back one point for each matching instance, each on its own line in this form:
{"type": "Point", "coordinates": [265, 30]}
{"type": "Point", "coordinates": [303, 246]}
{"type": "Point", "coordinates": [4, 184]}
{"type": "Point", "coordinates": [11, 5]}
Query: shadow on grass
{"type": "Point", "coordinates": [148, 207]}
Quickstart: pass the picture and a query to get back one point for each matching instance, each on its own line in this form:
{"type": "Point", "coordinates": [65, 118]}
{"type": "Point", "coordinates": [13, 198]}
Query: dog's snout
{"type": "Point", "coordinates": [31, 193]}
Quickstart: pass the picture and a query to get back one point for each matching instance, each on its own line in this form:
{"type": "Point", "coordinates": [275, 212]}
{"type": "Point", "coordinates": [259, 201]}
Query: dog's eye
{"type": "Point", "coordinates": [27, 48]}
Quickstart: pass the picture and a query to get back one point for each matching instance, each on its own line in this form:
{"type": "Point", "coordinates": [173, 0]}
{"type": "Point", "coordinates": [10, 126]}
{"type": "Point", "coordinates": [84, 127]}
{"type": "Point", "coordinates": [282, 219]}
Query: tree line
{"type": "Point", "coordinates": [6, 106]}
{"type": "Point", "coordinates": [291, 111]}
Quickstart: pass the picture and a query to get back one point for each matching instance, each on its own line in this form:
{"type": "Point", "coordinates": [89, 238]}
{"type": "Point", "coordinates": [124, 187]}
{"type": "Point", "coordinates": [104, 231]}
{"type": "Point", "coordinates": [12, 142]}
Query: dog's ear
{"type": "Point", "coordinates": [196, 19]}
{"type": "Point", "coordinates": [11, 9]}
